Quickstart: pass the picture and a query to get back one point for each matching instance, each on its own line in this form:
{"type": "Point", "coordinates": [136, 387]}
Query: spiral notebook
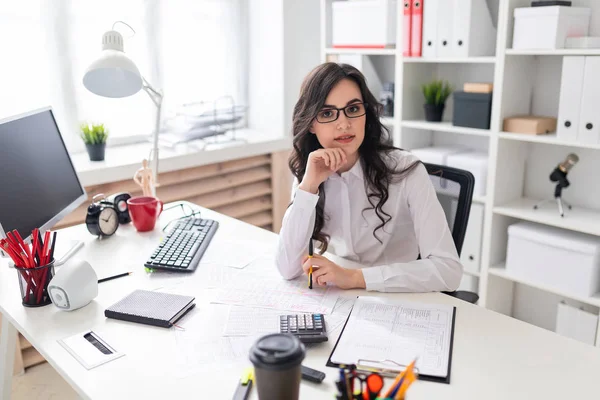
{"type": "Point", "coordinates": [151, 308]}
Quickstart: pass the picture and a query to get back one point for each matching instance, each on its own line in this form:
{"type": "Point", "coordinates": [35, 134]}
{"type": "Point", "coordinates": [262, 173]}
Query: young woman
{"type": "Point", "coordinates": [359, 197]}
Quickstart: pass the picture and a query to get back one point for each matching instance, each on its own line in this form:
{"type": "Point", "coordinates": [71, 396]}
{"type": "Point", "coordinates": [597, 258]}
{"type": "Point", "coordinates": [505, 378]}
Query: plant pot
{"type": "Point", "coordinates": [434, 112]}
{"type": "Point", "coordinates": [96, 151]}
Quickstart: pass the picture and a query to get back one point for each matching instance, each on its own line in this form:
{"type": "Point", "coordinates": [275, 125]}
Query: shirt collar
{"type": "Point", "coordinates": [356, 170]}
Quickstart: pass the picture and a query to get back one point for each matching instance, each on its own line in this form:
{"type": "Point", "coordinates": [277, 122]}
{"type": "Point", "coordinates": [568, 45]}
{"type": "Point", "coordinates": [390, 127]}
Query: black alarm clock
{"type": "Point", "coordinates": [119, 202]}
{"type": "Point", "coordinates": [102, 219]}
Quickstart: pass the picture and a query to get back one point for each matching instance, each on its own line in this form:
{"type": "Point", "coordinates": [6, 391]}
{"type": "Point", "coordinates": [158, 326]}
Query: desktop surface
{"type": "Point", "coordinates": [494, 356]}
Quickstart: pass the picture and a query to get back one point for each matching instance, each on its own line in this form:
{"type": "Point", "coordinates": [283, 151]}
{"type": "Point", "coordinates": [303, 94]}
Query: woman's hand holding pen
{"type": "Point", "coordinates": [321, 165]}
{"type": "Point", "coordinates": [326, 271]}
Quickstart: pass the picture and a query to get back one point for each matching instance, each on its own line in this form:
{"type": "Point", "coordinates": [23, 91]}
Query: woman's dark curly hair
{"type": "Point", "coordinates": [374, 151]}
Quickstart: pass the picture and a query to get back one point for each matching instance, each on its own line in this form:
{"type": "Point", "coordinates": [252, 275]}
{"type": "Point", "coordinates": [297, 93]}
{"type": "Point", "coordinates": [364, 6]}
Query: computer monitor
{"type": "Point", "coordinates": [38, 183]}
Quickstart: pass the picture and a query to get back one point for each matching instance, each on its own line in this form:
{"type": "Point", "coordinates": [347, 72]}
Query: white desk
{"type": "Point", "coordinates": [494, 356]}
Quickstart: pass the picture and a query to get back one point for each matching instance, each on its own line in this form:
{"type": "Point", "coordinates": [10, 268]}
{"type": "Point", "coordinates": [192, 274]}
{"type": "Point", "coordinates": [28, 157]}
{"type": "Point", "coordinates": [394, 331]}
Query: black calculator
{"type": "Point", "coordinates": [309, 328]}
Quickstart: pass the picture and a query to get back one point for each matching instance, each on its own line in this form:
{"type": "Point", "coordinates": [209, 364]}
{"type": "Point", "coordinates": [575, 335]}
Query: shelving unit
{"type": "Point", "coordinates": [443, 127]}
{"type": "Point", "coordinates": [500, 271]}
{"type": "Point", "coordinates": [553, 52]}
{"type": "Point", "coordinates": [519, 165]}
{"type": "Point", "coordinates": [367, 52]}
{"type": "Point", "coordinates": [548, 139]}
{"type": "Point", "coordinates": [451, 60]}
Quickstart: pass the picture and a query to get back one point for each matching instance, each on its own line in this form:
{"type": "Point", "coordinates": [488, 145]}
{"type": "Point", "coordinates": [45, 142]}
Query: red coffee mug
{"type": "Point", "coordinates": [144, 211]}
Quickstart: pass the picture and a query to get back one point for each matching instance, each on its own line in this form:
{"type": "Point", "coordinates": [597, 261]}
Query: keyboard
{"type": "Point", "coordinates": [184, 245]}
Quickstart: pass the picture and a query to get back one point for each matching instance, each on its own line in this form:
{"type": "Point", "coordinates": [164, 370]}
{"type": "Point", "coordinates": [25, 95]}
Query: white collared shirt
{"type": "Point", "coordinates": [418, 226]}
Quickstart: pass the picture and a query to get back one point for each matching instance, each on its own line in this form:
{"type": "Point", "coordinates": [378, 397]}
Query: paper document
{"type": "Point", "coordinates": [251, 321]}
{"type": "Point", "coordinates": [200, 347]}
{"type": "Point", "coordinates": [240, 255]}
{"type": "Point", "coordinates": [340, 312]}
{"type": "Point", "coordinates": [266, 291]}
{"type": "Point", "coordinates": [381, 329]}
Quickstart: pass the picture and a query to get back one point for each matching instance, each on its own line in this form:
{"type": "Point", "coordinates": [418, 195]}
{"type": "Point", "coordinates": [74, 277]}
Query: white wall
{"type": "Point", "coordinates": [283, 46]}
{"type": "Point", "coordinates": [301, 49]}
{"type": "Point", "coordinates": [265, 65]}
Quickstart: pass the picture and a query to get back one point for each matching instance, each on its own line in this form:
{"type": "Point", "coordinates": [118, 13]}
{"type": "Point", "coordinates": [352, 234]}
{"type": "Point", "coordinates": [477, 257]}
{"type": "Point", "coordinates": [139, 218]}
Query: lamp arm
{"type": "Point", "coordinates": [156, 98]}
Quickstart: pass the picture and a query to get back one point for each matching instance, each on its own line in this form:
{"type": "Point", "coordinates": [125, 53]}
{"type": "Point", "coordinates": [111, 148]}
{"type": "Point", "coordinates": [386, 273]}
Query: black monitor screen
{"type": "Point", "coordinates": [37, 178]}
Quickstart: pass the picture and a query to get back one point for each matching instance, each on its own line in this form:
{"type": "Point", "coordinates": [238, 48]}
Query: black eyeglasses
{"type": "Point", "coordinates": [353, 110]}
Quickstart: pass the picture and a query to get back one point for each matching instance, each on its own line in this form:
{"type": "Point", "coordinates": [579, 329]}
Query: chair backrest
{"type": "Point", "coordinates": [454, 188]}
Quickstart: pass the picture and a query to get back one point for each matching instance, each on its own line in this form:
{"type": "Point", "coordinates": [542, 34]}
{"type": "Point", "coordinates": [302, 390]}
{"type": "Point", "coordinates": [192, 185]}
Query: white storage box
{"type": "Point", "coordinates": [474, 162]}
{"type": "Point", "coordinates": [364, 23]}
{"type": "Point", "coordinates": [438, 154]}
{"type": "Point", "coordinates": [576, 323]}
{"type": "Point", "coordinates": [470, 256]}
{"type": "Point", "coordinates": [562, 259]}
{"type": "Point", "coordinates": [549, 27]}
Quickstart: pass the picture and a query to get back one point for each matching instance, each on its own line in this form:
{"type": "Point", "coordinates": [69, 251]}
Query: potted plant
{"type": "Point", "coordinates": [94, 137]}
{"type": "Point", "coordinates": [436, 93]}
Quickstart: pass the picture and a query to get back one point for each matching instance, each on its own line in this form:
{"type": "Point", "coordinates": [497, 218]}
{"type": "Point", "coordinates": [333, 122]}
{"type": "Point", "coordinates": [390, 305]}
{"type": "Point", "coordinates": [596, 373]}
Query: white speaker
{"type": "Point", "coordinates": [74, 285]}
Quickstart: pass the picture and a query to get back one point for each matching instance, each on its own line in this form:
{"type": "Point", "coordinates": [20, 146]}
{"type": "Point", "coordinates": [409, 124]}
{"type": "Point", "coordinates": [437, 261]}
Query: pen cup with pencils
{"type": "Point", "coordinates": [34, 264]}
{"type": "Point", "coordinates": [34, 284]}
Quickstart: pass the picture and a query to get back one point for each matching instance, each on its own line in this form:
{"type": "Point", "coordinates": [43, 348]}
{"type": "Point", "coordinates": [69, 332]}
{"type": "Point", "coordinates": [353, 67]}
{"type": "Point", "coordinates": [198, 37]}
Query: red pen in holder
{"type": "Point", "coordinates": [35, 265]}
{"type": "Point", "coordinates": [34, 284]}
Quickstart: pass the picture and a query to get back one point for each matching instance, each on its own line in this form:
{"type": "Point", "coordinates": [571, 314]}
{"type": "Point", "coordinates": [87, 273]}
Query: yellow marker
{"type": "Point", "coordinates": [310, 270]}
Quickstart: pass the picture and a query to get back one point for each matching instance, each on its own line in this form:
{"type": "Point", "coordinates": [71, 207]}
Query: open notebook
{"type": "Point", "coordinates": [151, 308]}
{"type": "Point", "coordinates": [386, 335]}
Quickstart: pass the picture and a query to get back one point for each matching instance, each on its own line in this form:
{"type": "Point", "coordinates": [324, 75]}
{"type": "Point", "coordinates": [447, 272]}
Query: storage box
{"type": "Point", "coordinates": [478, 87]}
{"type": "Point", "coordinates": [474, 162]}
{"type": "Point", "coordinates": [472, 110]}
{"type": "Point", "coordinates": [364, 23]}
{"type": "Point", "coordinates": [438, 154]}
{"type": "Point", "coordinates": [558, 258]}
{"type": "Point", "coordinates": [576, 323]}
{"type": "Point", "coordinates": [530, 124]}
{"type": "Point", "coordinates": [548, 27]}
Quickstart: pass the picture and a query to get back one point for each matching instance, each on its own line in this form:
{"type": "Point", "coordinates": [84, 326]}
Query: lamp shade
{"type": "Point", "coordinates": [113, 74]}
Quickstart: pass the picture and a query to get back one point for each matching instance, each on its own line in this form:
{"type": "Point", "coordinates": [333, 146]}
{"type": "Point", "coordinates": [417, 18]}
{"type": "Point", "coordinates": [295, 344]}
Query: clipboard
{"type": "Point", "coordinates": [389, 368]}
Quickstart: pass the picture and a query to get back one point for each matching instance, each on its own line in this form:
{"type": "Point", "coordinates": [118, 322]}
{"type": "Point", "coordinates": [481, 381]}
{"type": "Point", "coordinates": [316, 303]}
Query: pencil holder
{"type": "Point", "coordinates": [34, 284]}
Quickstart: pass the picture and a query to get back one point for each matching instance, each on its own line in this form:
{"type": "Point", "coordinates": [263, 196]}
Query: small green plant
{"type": "Point", "coordinates": [94, 134]}
{"type": "Point", "coordinates": [436, 92]}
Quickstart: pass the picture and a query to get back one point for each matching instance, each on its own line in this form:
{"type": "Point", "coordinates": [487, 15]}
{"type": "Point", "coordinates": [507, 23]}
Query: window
{"type": "Point", "coordinates": [188, 49]}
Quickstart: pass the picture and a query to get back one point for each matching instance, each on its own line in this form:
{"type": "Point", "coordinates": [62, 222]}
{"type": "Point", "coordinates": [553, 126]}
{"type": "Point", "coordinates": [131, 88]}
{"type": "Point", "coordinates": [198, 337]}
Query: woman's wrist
{"type": "Point", "coordinates": [309, 187]}
{"type": "Point", "coordinates": [359, 279]}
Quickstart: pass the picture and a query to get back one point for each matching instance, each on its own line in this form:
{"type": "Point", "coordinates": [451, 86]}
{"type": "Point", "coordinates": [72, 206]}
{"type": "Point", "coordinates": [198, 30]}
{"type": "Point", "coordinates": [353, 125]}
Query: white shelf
{"type": "Point", "coordinates": [387, 121]}
{"type": "Point", "coordinates": [548, 139]}
{"type": "Point", "coordinates": [472, 273]}
{"type": "Point", "coordinates": [479, 199]}
{"type": "Point", "coordinates": [500, 271]}
{"type": "Point", "coordinates": [365, 51]}
{"type": "Point", "coordinates": [553, 52]}
{"type": "Point", "coordinates": [578, 219]}
{"type": "Point", "coordinates": [451, 60]}
{"type": "Point", "coordinates": [443, 127]}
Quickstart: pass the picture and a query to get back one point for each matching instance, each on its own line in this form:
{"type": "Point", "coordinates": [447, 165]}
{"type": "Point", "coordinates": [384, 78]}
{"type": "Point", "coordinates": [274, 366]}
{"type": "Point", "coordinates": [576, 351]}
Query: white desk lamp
{"type": "Point", "coordinates": [115, 75]}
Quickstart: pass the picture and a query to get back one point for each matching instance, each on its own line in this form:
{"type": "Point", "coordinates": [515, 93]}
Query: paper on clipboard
{"type": "Point", "coordinates": [386, 335]}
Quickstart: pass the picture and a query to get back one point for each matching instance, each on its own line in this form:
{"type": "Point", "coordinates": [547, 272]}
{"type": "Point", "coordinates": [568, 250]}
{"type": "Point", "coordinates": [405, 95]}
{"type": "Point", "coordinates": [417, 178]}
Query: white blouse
{"type": "Point", "coordinates": [418, 226]}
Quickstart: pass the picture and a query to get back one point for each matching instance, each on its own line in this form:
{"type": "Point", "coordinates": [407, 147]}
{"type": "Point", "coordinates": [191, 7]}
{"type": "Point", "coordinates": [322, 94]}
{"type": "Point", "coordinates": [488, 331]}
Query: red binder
{"type": "Point", "coordinates": [407, 28]}
{"type": "Point", "coordinates": [416, 27]}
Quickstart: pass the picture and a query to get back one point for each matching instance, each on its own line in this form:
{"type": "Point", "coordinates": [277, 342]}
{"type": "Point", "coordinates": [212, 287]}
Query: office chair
{"type": "Point", "coordinates": [454, 188]}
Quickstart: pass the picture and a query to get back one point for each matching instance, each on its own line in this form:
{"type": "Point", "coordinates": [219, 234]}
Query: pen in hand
{"type": "Point", "coordinates": [310, 270]}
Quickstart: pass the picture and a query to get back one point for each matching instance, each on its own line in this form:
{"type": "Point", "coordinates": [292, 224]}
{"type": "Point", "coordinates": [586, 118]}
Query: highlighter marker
{"type": "Point", "coordinates": [310, 270]}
